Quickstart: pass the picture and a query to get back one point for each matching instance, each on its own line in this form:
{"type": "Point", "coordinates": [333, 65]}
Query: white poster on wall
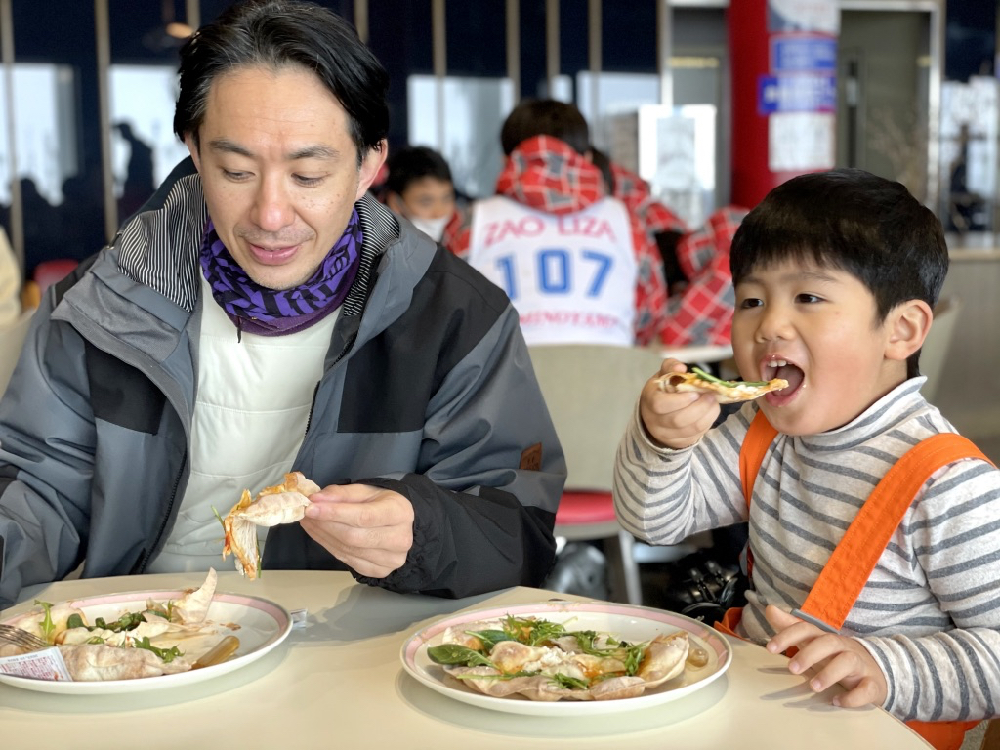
{"type": "Point", "coordinates": [801, 141]}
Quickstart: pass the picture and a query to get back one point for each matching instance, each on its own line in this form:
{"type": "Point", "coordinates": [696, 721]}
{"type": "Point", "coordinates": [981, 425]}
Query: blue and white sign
{"type": "Point", "coordinates": [796, 93]}
{"type": "Point", "coordinates": [803, 53]}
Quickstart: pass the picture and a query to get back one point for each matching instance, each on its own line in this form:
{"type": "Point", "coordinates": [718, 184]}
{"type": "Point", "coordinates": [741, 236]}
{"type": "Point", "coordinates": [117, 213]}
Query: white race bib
{"type": "Point", "coordinates": [571, 277]}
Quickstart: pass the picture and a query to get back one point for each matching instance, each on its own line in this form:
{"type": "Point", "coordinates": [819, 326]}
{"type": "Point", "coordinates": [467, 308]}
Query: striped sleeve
{"type": "Point", "coordinates": [954, 534]}
{"type": "Point", "coordinates": [664, 496]}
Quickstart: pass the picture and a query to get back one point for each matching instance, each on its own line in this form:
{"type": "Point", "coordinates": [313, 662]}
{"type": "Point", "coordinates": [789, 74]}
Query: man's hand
{"type": "Point", "coordinates": [676, 420]}
{"type": "Point", "coordinates": [839, 659]}
{"type": "Point", "coordinates": [366, 527]}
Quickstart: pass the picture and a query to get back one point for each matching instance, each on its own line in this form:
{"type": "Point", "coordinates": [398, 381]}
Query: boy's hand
{"type": "Point", "coordinates": [676, 420]}
{"type": "Point", "coordinates": [840, 660]}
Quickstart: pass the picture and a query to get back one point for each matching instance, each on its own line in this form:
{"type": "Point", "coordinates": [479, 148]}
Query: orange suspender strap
{"type": "Point", "coordinates": [755, 444]}
{"type": "Point", "coordinates": [852, 562]}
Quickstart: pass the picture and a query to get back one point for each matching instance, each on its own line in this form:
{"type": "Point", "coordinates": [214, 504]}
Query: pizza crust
{"type": "Point", "coordinates": [280, 503]}
{"type": "Point", "coordinates": [689, 382]}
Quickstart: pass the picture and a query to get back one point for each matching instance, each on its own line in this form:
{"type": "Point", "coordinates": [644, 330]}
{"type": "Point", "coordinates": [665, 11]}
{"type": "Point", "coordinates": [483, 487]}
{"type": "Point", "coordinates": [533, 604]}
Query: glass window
{"type": "Point", "coordinates": [56, 131]}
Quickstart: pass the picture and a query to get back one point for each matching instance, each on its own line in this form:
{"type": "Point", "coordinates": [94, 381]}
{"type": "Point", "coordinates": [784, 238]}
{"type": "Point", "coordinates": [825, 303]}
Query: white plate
{"type": "Point", "coordinates": [262, 625]}
{"type": "Point", "coordinates": [627, 622]}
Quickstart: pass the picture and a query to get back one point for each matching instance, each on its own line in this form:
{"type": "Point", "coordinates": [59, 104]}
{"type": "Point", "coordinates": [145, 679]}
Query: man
{"type": "Point", "coordinates": [419, 188]}
{"type": "Point", "coordinates": [576, 264]}
{"type": "Point", "coordinates": [262, 314]}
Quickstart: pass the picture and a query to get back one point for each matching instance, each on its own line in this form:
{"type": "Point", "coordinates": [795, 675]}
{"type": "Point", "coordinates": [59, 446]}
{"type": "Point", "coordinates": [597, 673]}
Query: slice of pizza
{"type": "Point", "coordinates": [280, 503]}
{"type": "Point", "coordinates": [726, 391]}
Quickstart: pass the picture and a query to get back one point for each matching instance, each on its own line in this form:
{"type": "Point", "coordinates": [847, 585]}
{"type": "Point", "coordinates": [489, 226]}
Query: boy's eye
{"type": "Point", "coordinates": [750, 302]}
{"type": "Point", "coordinates": [808, 299]}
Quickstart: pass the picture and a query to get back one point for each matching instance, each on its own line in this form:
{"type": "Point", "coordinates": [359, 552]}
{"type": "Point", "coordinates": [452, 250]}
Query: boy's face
{"type": "Point", "coordinates": [427, 198]}
{"type": "Point", "coordinates": [816, 328]}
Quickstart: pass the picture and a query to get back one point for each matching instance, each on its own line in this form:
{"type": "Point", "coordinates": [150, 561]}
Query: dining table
{"type": "Point", "coordinates": [337, 681]}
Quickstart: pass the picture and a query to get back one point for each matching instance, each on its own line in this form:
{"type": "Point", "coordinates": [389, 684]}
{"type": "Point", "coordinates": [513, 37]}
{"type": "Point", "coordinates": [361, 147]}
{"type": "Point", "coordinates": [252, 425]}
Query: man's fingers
{"type": "Point", "coordinates": [394, 538]}
{"type": "Point", "coordinates": [364, 515]}
{"type": "Point", "coordinates": [346, 493]}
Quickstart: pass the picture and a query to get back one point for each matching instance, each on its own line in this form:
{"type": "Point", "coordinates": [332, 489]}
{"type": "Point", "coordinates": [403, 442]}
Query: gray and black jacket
{"type": "Point", "coordinates": [427, 390]}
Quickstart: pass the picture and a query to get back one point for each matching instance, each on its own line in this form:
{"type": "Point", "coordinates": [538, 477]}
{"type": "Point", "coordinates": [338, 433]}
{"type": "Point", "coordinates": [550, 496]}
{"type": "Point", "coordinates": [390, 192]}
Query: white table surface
{"type": "Point", "coordinates": [339, 683]}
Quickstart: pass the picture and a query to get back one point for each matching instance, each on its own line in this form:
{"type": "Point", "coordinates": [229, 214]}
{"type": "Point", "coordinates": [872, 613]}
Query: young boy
{"type": "Point", "coordinates": [419, 188]}
{"type": "Point", "coordinates": [836, 275]}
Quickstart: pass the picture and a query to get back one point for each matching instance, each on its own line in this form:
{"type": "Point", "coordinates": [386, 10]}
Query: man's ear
{"type": "Point", "coordinates": [370, 167]}
{"type": "Point", "coordinates": [908, 324]}
{"type": "Point", "coordinates": [192, 146]}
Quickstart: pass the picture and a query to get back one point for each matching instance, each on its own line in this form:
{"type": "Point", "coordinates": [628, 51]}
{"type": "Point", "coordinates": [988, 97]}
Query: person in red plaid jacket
{"type": "Point", "coordinates": [577, 264]}
{"type": "Point", "coordinates": [696, 262]}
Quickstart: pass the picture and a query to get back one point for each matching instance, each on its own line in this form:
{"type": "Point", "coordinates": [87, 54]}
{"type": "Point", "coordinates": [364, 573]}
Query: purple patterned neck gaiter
{"type": "Point", "coordinates": [273, 312]}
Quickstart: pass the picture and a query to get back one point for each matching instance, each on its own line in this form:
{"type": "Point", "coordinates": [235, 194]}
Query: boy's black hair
{"type": "Point", "coordinates": [545, 117]}
{"type": "Point", "coordinates": [852, 221]}
{"type": "Point", "coordinates": [412, 163]}
{"type": "Point", "coordinates": [278, 33]}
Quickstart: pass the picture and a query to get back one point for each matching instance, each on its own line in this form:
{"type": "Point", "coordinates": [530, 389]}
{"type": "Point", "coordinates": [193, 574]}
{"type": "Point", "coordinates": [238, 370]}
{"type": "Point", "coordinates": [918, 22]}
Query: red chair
{"type": "Point", "coordinates": [49, 272]}
{"type": "Point", "coordinates": [591, 392]}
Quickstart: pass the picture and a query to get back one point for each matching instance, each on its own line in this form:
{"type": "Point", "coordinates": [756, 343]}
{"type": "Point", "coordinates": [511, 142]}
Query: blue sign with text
{"type": "Point", "coordinates": [796, 93]}
{"type": "Point", "coordinates": [803, 53]}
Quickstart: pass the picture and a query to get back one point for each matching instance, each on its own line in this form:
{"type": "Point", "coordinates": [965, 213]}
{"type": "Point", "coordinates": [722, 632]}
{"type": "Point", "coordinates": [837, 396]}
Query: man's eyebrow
{"type": "Point", "coordinates": [317, 151]}
{"type": "Point", "coordinates": [226, 145]}
{"type": "Point", "coordinates": [314, 152]}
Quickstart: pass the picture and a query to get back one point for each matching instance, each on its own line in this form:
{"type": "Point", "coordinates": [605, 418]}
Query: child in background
{"type": "Point", "coordinates": [419, 188]}
{"type": "Point", "coordinates": [836, 275]}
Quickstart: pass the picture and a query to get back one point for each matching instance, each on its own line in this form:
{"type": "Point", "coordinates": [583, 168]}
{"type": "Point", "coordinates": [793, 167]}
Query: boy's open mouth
{"type": "Point", "coordinates": [778, 367]}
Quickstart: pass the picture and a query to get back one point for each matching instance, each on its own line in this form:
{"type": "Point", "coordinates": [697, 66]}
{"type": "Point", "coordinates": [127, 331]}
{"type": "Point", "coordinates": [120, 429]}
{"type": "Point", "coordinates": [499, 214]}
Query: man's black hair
{"type": "Point", "coordinates": [852, 221]}
{"type": "Point", "coordinates": [279, 33]}
{"type": "Point", "coordinates": [534, 117]}
{"type": "Point", "coordinates": [412, 163]}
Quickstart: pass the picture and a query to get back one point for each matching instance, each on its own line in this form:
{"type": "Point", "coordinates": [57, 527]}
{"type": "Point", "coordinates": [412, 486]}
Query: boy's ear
{"type": "Point", "coordinates": [908, 323]}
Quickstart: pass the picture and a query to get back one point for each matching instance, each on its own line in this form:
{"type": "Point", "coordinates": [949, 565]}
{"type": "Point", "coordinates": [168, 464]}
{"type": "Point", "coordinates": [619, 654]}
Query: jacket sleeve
{"type": "Point", "coordinates": [490, 477]}
{"type": "Point", "coordinates": [46, 459]}
{"type": "Point", "coordinates": [664, 496]}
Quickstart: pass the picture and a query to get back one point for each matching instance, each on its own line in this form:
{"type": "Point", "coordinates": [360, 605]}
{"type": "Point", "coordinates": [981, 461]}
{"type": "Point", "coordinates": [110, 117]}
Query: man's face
{"type": "Point", "coordinates": [279, 170]}
{"type": "Point", "coordinates": [817, 328]}
{"type": "Point", "coordinates": [427, 198]}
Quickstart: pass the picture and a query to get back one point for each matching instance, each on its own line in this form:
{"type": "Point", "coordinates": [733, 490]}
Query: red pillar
{"type": "Point", "coordinates": [783, 79]}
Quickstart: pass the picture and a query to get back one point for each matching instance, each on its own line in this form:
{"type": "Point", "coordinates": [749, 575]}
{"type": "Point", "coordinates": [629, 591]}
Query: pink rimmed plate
{"type": "Point", "coordinates": [626, 622]}
{"type": "Point", "coordinates": [259, 624]}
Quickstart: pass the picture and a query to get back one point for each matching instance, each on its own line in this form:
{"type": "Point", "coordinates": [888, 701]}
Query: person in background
{"type": "Point", "coordinates": [264, 314]}
{"type": "Point", "coordinates": [695, 260]}
{"type": "Point", "coordinates": [893, 596]}
{"type": "Point", "coordinates": [10, 283]}
{"type": "Point", "coordinates": [576, 264]}
{"type": "Point", "coordinates": [419, 188]}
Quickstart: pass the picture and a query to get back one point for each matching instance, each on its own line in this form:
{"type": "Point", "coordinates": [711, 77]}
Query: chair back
{"type": "Point", "coordinates": [934, 353]}
{"type": "Point", "coordinates": [591, 391]}
{"type": "Point", "coordinates": [50, 272]}
{"type": "Point", "coordinates": [11, 341]}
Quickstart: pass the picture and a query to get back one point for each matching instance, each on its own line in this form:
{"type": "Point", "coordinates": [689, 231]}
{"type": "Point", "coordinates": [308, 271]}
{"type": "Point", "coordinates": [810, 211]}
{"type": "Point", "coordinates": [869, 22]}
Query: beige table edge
{"type": "Point", "coordinates": [339, 683]}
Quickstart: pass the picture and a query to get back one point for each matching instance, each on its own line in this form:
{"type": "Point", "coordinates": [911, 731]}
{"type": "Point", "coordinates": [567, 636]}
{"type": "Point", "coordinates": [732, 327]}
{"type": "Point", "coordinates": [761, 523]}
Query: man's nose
{"type": "Point", "coordinates": [273, 209]}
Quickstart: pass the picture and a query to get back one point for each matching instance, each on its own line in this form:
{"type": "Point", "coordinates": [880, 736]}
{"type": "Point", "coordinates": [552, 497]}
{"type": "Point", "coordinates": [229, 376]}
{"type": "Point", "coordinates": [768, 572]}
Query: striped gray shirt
{"type": "Point", "coordinates": [930, 612]}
